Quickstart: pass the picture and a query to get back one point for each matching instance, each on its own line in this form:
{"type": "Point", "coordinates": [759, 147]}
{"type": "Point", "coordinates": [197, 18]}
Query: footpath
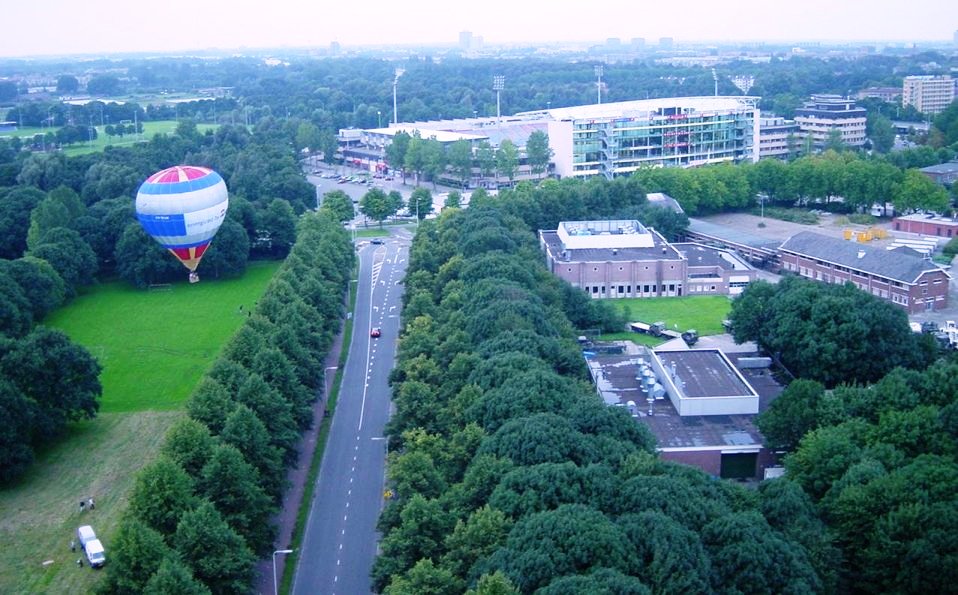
{"type": "Point", "coordinates": [285, 519]}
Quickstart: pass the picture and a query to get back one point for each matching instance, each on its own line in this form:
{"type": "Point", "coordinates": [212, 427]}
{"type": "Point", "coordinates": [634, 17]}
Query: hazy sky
{"type": "Point", "coordinates": [31, 27]}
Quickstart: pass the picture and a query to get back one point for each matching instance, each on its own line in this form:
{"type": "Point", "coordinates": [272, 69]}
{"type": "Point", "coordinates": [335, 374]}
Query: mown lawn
{"type": "Point", "coordinates": [102, 141]}
{"type": "Point", "coordinates": [154, 345]}
{"type": "Point", "coordinates": [97, 458]}
{"type": "Point", "coordinates": [702, 313]}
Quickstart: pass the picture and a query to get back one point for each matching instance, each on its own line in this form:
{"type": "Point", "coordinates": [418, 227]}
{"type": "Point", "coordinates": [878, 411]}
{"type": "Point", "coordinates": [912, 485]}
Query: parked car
{"type": "Point", "coordinates": [91, 546]}
{"type": "Point", "coordinates": [376, 332]}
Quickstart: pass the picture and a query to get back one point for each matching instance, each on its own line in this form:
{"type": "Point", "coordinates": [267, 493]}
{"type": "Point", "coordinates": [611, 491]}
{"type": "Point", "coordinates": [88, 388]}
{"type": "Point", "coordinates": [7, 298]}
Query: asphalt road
{"type": "Point", "coordinates": [340, 541]}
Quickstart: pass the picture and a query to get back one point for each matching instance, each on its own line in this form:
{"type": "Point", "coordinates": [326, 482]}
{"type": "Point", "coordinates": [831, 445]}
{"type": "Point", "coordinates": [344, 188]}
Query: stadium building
{"type": "Point", "coordinates": [608, 139]}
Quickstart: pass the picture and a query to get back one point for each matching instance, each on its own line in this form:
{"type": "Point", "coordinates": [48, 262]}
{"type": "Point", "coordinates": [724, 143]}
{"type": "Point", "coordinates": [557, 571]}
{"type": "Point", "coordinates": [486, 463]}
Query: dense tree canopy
{"type": "Point", "coordinates": [827, 332]}
{"type": "Point", "coordinates": [508, 472]}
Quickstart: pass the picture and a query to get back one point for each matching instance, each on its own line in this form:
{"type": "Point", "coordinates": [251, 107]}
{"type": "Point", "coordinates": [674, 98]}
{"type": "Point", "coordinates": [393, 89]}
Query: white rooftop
{"type": "Point", "coordinates": [576, 235]}
{"type": "Point", "coordinates": [642, 107]}
{"type": "Point", "coordinates": [443, 136]}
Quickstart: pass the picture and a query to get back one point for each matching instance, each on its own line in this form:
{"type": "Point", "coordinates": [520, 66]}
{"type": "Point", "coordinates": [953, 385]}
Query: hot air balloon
{"type": "Point", "coordinates": [182, 207]}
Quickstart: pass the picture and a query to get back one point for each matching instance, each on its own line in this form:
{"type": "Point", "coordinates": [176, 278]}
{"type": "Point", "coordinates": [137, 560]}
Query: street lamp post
{"type": "Point", "coordinates": [379, 119]}
{"type": "Point", "coordinates": [275, 585]}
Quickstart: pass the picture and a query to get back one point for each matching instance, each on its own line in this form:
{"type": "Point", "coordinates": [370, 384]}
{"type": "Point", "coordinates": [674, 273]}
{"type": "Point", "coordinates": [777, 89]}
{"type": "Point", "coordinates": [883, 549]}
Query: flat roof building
{"type": "Point", "coordinates": [611, 139]}
{"type": "Point", "coordinates": [778, 138]}
{"type": "Point", "coordinates": [624, 259]}
{"type": "Point", "coordinates": [822, 114]}
{"type": "Point", "coordinates": [929, 94]}
{"type": "Point", "coordinates": [699, 404]}
{"type": "Point", "coordinates": [618, 138]}
{"type": "Point", "coordinates": [927, 224]}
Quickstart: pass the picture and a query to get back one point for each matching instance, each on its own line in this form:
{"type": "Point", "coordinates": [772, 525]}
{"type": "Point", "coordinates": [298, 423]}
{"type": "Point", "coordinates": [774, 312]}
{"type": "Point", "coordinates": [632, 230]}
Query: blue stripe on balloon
{"type": "Point", "coordinates": [180, 187]}
{"type": "Point", "coordinates": [163, 225]}
{"type": "Point", "coordinates": [191, 245]}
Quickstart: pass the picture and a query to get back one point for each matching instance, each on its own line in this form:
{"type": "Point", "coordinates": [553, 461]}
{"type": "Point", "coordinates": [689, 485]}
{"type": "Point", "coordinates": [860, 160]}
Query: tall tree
{"type": "Point", "coordinates": [918, 191]}
{"type": "Point", "coordinates": [339, 204]}
{"type": "Point", "coordinates": [538, 152]}
{"type": "Point", "coordinates": [162, 493]}
{"type": "Point", "coordinates": [136, 553]}
{"type": "Point", "coordinates": [507, 160]}
{"type": "Point", "coordinates": [420, 202]}
{"type": "Point", "coordinates": [460, 159]}
{"type": "Point", "coordinates": [396, 152]}
{"type": "Point", "coordinates": [215, 552]}
{"type": "Point", "coordinates": [376, 205]}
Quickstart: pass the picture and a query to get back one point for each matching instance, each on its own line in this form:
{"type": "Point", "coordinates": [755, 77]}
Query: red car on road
{"type": "Point", "coordinates": [375, 333]}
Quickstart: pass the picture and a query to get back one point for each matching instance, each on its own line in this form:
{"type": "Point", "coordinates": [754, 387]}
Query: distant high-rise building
{"type": "Point", "coordinates": [638, 42]}
{"type": "Point", "coordinates": [666, 43]}
{"type": "Point", "coordinates": [334, 48]}
{"type": "Point", "coordinates": [613, 42]}
{"type": "Point", "coordinates": [955, 37]}
{"type": "Point", "coordinates": [928, 93]}
{"type": "Point", "coordinates": [465, 40]}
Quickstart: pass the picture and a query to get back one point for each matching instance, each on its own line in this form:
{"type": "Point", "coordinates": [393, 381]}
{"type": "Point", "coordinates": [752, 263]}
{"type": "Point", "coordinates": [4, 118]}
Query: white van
{"type": "Point", "coordinates": [91, 546]}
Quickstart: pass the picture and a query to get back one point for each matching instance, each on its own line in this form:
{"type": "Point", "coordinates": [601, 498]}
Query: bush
{"type": "Point", "coordinates": [951, 248]}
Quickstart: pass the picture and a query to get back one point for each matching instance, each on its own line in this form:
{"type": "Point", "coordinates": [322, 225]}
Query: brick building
{"type": "Point", "coordinates": [929, 225]}
{"type": "Point", "coordinates": [624, 259]}
{"type": "Point", "coordinates": [912, 282]}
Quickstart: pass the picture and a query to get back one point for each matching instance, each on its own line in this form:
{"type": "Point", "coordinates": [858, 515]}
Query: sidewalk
{"type": "Point", "coordinates": [285, 519]}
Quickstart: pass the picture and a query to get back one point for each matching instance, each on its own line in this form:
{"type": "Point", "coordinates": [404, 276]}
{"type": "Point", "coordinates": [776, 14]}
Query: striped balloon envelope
{"type": "Point", "coordinates": [182, 207]}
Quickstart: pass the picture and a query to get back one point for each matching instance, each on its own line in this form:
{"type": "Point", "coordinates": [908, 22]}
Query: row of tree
{"type": "Point", "coordinates": [843, 182]}
{"type": "Point", "coordinates": [511, 475]}
{"type": "Point", "coordinates": [199, 514]}
{"type": "Point", "coordinates": [460, 161]}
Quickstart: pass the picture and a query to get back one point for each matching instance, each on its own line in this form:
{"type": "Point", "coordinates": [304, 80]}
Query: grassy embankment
{"type": "Point", "coordinates": [153, 347]}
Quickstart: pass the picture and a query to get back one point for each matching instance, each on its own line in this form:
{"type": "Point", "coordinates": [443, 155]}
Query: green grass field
{"type": "Point", "coordinates": [168, 337]}
{"type": "Point", "coordinates": [97, 458]}
{"type": "Point", "coordinates": [102, 140]}
{"type": "Point", "coordinates": [703, 313]}
{"type": "Point", "coordinates": [154, 346]}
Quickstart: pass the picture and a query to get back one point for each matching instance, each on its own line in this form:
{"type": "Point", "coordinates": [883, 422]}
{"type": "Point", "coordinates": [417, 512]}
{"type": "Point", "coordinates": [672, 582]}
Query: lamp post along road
{"type": "Point", "coordinates": [275, 585]}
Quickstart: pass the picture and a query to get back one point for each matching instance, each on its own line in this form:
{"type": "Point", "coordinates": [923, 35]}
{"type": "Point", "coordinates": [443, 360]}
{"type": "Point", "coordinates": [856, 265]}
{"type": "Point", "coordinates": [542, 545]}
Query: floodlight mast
{"type": "Point", "coordinates": [399, 73]}
{"type": "Point", "coordinates": [498, 84]}
{"type": "Point", "coordinates": [598, 82]}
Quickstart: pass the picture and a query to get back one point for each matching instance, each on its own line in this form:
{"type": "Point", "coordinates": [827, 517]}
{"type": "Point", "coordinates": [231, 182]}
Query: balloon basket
{"type": "Point", "coordinates": [194, 278]}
